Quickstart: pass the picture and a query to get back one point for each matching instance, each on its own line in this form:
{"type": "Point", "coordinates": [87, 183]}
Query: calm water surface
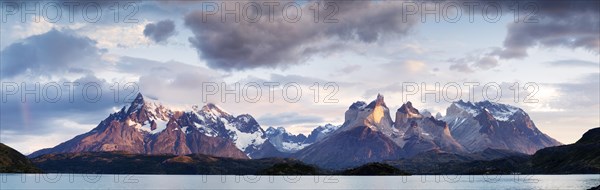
{"type": "Point", "coordinates": [91, 181]}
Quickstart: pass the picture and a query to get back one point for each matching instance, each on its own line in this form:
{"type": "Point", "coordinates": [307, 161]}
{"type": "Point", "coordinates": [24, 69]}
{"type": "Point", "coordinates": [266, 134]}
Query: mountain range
{"type": "Point", "coordinates": [581, 157]}
{"type": "Point", "coordinates": [368, 134]}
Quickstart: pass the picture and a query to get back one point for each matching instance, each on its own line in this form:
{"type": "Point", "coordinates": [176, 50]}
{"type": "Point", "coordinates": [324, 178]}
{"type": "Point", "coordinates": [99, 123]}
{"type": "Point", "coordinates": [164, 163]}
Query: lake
{"type": "Point", "coordinates": [93, 181]}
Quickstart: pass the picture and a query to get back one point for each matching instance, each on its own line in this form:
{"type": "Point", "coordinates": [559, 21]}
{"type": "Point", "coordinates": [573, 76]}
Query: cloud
{"type": "Point", "coordinates": [487, 62]}
{"type": "Point", "coordinates": [350, 68]}
{"type": "Point", "coordinates": [586, 91]}
{"type": "Point", "coordinates": [414, 66]}
{"type": "Point", "coordinates": [476, 60]}
{"type": "Point", "coordinates": [160, 31]}
{"type": "Point", "coordinates": [89, 100]}
{"type": "Point", "coordinates": [279, 44]}
{"type": "Point", "coordinates": [288, 118]}
{"type": "Point", "coordinates": [570, 24]}
{"type": "Point", "coordinates": [48, 53]}
{"type": "Point", "coordinates": [573, 63]}
{"type": "Point", "coordinates": [461, 67]}
{"type": "Point", "coordinates": [169, 81]}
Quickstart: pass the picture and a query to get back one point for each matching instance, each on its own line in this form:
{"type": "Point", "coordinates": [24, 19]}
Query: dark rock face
{"type": "Point", "coordinates": [349, 148]}
{"type": "Point", "coordinates": [268, 150]}
{"type": "Point", "coordinates": [11, 161]}
{"type": "Point", "coordinates": [482, 125]}
{"type": "Point", "coordinates": [582, 157]}
{"type": "Point", "coordinates": [424, 133]}
{"type": "Point", "coordinates": [591, 136]}
{"type": "Point", "coordinates": [146, 127]}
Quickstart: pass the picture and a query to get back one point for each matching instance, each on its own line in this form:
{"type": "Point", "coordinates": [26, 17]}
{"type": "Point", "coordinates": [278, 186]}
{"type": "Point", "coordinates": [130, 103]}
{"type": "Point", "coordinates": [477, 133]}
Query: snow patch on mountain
{"type": "Point", "coordinates": [243, 140]}
{"type": "Point", "coordinates": [501, 112]}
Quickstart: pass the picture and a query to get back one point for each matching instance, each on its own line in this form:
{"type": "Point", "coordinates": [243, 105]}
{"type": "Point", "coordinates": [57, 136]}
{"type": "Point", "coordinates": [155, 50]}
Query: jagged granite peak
{"type": "Point", "coordinates": [485, 124]}
{"type": "Point", "coordinates": [367, 135]}
{"type": "Point", "coordinates": [423, 132]}
{"type": "Point", "coordinates": [407, 108]}
{"type": "Point", "coordinates": [404, 114]}
{"type": "Point", "coordinates": [375, 115]}
{"type": "Point", "coordinates": [379, 101]}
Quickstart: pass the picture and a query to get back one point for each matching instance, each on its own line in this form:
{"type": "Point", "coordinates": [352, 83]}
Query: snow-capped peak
{"type": "Point", "coordinates": [467, 107]}
{"type": "Point", "coordinates": [501, 112]}
{"type": "Point", "coordinates": [214, 110]}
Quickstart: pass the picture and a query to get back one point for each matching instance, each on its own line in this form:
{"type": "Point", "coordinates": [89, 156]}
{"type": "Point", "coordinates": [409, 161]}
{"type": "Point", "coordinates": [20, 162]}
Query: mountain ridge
{"type": "Point", "coordinates": [146, 126]}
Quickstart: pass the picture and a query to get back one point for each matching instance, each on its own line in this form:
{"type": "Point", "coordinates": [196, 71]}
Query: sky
{"type": "Point", "coordinates": [66, 65]}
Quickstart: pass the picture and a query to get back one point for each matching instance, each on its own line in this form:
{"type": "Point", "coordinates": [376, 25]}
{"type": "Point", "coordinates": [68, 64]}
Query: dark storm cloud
{"type": "Point", "coordinates": [570, 24]}
{"type": "Point", "coordinates": [547, 24]}
{"type": "Point", "coordinates": [246, 45]}
{"type": "Point", "coordinates": [87, 101]}
{"type": "Point", "coordinates": [52, 52]}
{"type": "Point", "coordinates": [160, 31]}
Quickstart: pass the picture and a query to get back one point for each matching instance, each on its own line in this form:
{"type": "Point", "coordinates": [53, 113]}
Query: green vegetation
{"type": "Point", "coordinates": [11, 161]}
{"type": "Point", "coordinates": [296, 168]}
{"type": "Point", "coordinates": [374, 169]}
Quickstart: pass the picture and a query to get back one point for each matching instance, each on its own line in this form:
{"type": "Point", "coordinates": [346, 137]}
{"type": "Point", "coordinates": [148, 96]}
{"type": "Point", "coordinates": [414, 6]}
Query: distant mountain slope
{"type": "Point", "coordinates": [268, 150]}
{"type": "Point", "coordinates": [482, 125]}
{"type": "Point", "coordinates": [11, 161]}
{"type": "Point", "coordinates": [286, 142]}
{"type": "Point", "coordinates": [350, 148]}
{"type": "Point", "coordinates": [435, 162]}
{"type": "Point", "coordinates": [580, 157]}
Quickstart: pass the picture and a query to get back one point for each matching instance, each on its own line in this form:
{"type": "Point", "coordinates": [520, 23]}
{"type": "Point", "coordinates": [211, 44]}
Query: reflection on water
{"type": "Point", "coordinates": [93, 181]}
